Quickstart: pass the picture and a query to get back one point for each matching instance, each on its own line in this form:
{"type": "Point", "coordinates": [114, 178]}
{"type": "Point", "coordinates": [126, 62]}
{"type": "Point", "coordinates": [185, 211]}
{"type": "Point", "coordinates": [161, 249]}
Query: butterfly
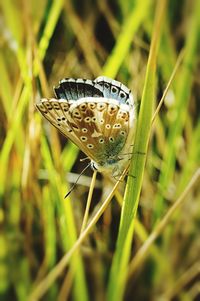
{"type": "Point", "coordinates": [99, 116]}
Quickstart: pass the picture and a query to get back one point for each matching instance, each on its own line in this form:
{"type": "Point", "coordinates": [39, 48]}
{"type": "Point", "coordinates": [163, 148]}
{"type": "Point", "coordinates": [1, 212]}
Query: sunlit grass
{"type": "Point", "coordinates": [43, 250]}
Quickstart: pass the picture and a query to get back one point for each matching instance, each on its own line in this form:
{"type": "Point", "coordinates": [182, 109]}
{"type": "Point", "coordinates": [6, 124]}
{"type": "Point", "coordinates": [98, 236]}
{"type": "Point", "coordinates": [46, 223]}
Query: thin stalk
{"type": "Point", "coordinates": [178, 62]}
{"type": "Point", "coordinates": [116, 285]}
{"type": "Point", "coordinates": [45, 284]}
{"type": "Point", "coordinates": [132, 23]}
{"type": "Point", "coordinates": [183, 92]}
{"type": "Point", "coordinates": [143, 251]}
{"type": "Point", "coordinates": [89, 199]}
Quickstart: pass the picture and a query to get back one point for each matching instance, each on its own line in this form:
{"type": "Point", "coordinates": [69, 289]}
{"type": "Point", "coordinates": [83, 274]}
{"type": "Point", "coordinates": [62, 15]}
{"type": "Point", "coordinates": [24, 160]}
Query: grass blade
{"type": "Point", "coordinates": [118, 273]}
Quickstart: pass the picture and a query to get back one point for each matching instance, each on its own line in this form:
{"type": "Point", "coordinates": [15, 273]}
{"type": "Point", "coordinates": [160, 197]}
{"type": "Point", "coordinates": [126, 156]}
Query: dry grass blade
{"type": "Point", "coordinates": [143, 251]}
{"type": "Point", "coordinates": [39, 291]}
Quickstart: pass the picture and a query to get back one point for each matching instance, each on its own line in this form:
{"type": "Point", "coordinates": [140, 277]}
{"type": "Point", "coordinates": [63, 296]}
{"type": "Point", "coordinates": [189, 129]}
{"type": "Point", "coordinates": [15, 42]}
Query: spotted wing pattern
{"type": "Point", "coordinates": [113, 89]}
{"type": "Point", "coordinates": [98, 126]}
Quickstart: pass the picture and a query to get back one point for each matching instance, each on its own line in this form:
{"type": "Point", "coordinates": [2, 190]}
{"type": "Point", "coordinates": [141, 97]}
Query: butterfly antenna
{"type": "Point", "coordinates": [73, 186]}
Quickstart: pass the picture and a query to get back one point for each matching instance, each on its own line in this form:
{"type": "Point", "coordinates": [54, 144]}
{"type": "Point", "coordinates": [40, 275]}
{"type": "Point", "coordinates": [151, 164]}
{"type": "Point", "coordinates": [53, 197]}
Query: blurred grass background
{"type": "Point", "coordinates": [42, 42]}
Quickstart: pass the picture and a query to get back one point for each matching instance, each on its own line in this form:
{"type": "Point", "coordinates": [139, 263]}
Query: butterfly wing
{"type": "Point", "coordinates": [56, 111]}
{"type": "Point", "coordinates": [98, 126]}
{"type": "Point", "coordinates": [113, 89]}
{"type": "Point", "coordinates": [98, 116]}
{"type": "Point", "coordinates": [102, 86]}
{"type": "Point", "coordinates": [74, 89]}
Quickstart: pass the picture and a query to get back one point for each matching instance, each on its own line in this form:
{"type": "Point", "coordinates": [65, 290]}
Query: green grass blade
{"type": "Point", "coordinates": [66, 223]}
{"type": "Point", "coordinates": [125, 38]}
{"type": "Point", "coordinates": [182, 99]}
{"type": "Point", "coordinates": [5, 88]}
{"type": "Point", "coordinates": [119, 266]}
{"type": "Point", "coordinates": [27, 91]}
{"type": "Point", "coordinates": [54, 14]}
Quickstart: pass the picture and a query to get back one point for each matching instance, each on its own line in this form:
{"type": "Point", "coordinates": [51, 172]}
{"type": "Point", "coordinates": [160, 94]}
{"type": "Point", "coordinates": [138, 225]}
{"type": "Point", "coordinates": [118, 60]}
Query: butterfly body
{"type": "Point", "coordinates": [98, 116]}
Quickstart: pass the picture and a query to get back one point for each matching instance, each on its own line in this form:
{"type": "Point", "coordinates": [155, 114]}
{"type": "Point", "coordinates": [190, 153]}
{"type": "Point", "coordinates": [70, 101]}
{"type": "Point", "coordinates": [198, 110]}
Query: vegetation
{"type": "Point", "coordinates": [141, 241]}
